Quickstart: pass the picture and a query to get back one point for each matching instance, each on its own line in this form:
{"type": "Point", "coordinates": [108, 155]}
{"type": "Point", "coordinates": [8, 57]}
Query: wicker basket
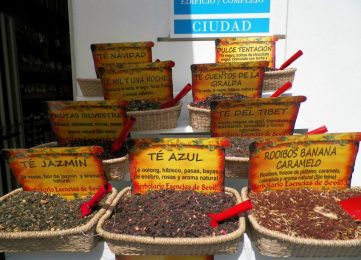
{"type": "Point", "coordinates": [138, 245]}
{"type": "Point", "coordinates": [236, 167]}
{"type": "Point", "coordinates": [82, 238]}
{"type": "Point", "coordinates": [156, 119]}
{"type": "Point", "coordinates": [90, 87]}
{"type": "Point", "coordinates": [114, 169]}
{"type": "Point", "coordinates": [276, 244]}
{"type": "Point", "coordinates": [273, 79]}
{"type": "Point", "coordinates": [200, 118]}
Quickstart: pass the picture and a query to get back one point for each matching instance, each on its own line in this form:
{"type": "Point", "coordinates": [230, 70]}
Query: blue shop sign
{"type": "Point", "coordinates": [221, 26]}
{"type": "Point", "coordinates": [189, 7]}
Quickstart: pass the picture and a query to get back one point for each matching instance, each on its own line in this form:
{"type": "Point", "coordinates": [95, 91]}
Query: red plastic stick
{"type": "Point", "coordinates": [117, 144]}
{"type": "Point", "coordinates": [282, 89]}
{"type": "Point", "coordinates": [320, 130]}
{"type": "Point", "coordinates": [352, 206]}
{"type": "Point", "coordinates": [87, 207]}
{"type": "Point", "coordinates": [230, 212]}
{"type": "Point", "coordinates": [180, 95]}
{"type": "Point", "coordinates": [291, 59]}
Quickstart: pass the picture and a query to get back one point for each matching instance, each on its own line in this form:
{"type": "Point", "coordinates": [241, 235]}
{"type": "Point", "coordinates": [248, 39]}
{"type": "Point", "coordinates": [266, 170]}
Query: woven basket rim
{"type": "Point", "coordinates": [155, 111]}
{"type": "Point", "coordinates": [296, 240]}
{"type": "Point", "coordinates": [198, 109]}
{"type": "Point", "coordinates": [281, 72]}
{"type": "Point", "coordinates": [65, 232]}
{"type": "Point", "coordinates": [236, 159]}
{"type": "Point", "coordinates": [116, 160]}
{"type": "Point", "coordinates": [165, 240]}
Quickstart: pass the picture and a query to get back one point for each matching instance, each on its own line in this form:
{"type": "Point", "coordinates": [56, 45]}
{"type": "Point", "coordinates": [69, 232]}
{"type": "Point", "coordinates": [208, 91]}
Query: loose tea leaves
{"type": "Point", "coordinates": [170, 213]}
{"type": "Point", "coordinates": [306, 213]}
{"type": "Point", "coordinates": [139, 105]}
{"type": "Point", "coordinates": [38, 211]}
{"type": "Point", "coordinates": [239, 146]}
{"type": "Point", "coordinates": [205, 103]}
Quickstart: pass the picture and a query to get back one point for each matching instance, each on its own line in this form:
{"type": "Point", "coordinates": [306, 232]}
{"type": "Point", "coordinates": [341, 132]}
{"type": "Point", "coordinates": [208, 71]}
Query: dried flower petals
{"type": "Point", "coordinates": [170, 213]}
{"type": "Point", "coordinates": [239, 146]}
{"type": "Point", "coordinates": [306, 213]}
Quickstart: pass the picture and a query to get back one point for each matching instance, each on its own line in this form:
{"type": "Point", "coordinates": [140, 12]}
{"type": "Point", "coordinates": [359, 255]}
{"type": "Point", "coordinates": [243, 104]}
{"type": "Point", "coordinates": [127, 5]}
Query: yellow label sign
{"type": "Point", "coordinates": [322, 161]}
{"type": "Point", "coordinates": [228, 79]}
{"type": "Point", "coordinates": [189, 164]}
{"type": "Point", "coordinates": [79, 120]}
{"type": "Point", "coordinates": [147, 82]}
{"type": "Point", "coordinates": [255, 117]}
{"type": "Point", "coordinates": [246, 49]}
{"type": "Point", "coordinates": [116, 54]}
{"type": "Point", "coordinates": [68, 172]}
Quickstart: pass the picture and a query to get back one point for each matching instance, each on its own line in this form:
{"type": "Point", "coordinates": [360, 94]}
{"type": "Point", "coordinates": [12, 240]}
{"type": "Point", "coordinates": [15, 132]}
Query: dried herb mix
{"type": "Point", "coordinates": [139, 105]}
{"type": "Point", "coordinates": [106, 144]}
{"type": "Point", "coordinates": [38, 211]}
{"type": "Point", "coordinates": [205, 103]}
{"type": "Point", "coordinates": [170, 213]}
{"type": "Point", "coordinates": [239, 146]}
{"type": "Point", "coordinates": [306, 213]}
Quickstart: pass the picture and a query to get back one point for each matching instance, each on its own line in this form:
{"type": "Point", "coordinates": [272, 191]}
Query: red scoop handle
{"type": "Point", "coordinates": [282, 89]}
{"type": "Point", "coordinates": [180, 95]}
{"type": "Point", "coordinates": [352, 207]}
{"type": "Point", "coordinates": [320, 130]}
{"type": "Point", "coordinates": [87, 207]}
{"type": "Point", "coordinates": [230, 212]}
{"type": "Point", "coordinates": [117, 144]}
{"type": "Point", "coordinates": [291, 59]}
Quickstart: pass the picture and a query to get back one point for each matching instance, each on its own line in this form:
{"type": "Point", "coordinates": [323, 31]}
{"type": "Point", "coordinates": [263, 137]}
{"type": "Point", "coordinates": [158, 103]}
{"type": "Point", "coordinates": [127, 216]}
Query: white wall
{"type": "Point", "coordinates": [329, 33]}
{"type": "Point", "coordinates": [97, 21]}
